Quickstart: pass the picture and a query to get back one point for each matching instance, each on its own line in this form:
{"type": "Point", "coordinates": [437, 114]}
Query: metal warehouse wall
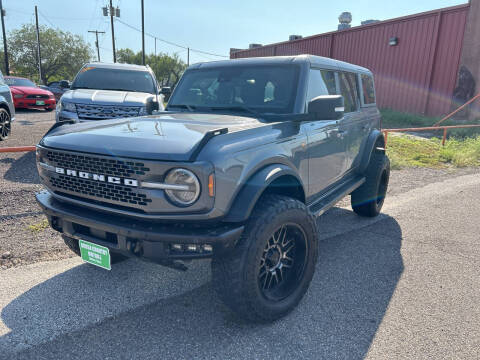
{"type": "Point", "coordinates": [418, 75]}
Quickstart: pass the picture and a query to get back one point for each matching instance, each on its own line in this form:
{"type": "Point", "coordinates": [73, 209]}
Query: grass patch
{"type": "Point", "coordinates": [392, 119]}
{"type": "Point", "coordinates": [408, 151]}
{"type": "Point", "coordinates": [38, 227]}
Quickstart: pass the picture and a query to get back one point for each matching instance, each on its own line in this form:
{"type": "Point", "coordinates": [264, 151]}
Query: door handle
{"type": "Point", "coordinates": [341, 133]}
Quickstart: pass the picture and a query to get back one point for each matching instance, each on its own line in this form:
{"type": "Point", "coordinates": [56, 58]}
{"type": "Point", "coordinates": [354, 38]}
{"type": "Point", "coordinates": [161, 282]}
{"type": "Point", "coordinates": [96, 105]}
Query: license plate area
{"type": "Point", "coordinates": [95, 254]}
{"type": "Point", "coordinates": [39, 102]}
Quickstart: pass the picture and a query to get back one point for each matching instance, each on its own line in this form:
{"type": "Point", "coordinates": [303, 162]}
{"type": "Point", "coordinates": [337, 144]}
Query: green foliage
{"type": "Point", "coordinates": [392, 119]}
{"type": "Point", "coordinates": [38, 227]}
{"type": "Point", "coordinates": [63, 53]}
{"type": "Point", "coordinates": [408, 151]}
{"type": "Point", "coordinates": [167, 68]}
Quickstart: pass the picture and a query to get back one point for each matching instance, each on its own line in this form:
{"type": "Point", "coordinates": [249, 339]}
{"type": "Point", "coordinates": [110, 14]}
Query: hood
{"type": "Point", "coordinates": [29, 90]}
{"type": "Point", "coordinates": [170, 136]}
{"type": "Point", "coordinates": [107, 97]}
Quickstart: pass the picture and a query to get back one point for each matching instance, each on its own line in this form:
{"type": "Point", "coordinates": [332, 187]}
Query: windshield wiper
{"type": "Point", "coordinates": [190, 108]}
{"type": "Point", "coordinates": [236, 108]}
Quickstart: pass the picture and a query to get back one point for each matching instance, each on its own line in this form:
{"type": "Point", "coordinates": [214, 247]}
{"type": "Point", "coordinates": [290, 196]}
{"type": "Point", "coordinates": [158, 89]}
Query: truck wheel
{"type": "Point", "coordinates": [269, 271]}
{"type": "Point", "coordinates": [73, 245]}
{"type": "Point", "coordinates": [368, 199]}
{"type": "Point", "coordinates": [5, 124]}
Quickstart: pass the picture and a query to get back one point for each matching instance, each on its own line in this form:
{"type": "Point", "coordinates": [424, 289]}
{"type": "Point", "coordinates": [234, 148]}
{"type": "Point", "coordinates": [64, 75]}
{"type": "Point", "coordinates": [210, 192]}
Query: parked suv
{"type": "Point", "coordinates": [248, 153]}
{"type": "Point", "coordinates": [7, 109]}
{"type": "Point", "coordinates": [104, 91]}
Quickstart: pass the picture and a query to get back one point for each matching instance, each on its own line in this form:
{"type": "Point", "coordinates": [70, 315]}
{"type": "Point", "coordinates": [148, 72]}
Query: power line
{"type": "Point", "coordinates": [170, 42]}
{"type": "Point", "coordinates": [45, 18]}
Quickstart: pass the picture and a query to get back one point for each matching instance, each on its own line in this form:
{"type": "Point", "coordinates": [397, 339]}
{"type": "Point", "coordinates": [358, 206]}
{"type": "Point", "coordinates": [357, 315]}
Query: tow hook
{"type": "Point", "coordinates": [134, 247]}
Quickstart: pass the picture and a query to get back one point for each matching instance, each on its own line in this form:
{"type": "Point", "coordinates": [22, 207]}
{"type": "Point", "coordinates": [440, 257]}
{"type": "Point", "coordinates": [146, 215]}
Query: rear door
{"type": "Point", "coordinates": [326, 142]}
{"type": "Point", "coordinates": [354, 122]}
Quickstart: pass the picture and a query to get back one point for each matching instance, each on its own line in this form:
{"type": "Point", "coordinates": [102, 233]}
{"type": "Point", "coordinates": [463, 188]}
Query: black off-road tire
{"type": "Point", "coordinates": [368, 199]}
{"type": "Point", "coordinates": [73, 245]}
{"type": "Point", "coordinates": [5, 124]}
{"type": "Point", "coordinates": [237, 276]}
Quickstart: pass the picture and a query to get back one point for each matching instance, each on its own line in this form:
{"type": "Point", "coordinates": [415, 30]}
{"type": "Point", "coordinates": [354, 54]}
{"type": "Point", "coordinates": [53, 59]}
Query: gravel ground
{"type": "Point", "coordinates": [24, 236]}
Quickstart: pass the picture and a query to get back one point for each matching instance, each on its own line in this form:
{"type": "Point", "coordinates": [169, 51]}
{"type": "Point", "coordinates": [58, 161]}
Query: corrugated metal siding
{"type": "Point", "coordinates": [418, 75]}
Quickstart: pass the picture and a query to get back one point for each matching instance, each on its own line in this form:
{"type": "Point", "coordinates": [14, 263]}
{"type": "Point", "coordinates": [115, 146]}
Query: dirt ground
{"type": "Point", "coordinates": [24, 234]}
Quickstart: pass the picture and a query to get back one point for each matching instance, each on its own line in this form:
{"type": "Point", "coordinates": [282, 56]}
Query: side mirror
{"type": "Point", "coordinates": [151, 106]}
{"type": "Point", "coordinates": [64, 84]}
{"type": "Point", "coordinates": [327, 107]}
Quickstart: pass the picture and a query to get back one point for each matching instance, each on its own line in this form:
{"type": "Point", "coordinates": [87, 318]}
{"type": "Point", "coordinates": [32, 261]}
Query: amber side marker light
{"type": "Point", "coordinates": [211, 185]}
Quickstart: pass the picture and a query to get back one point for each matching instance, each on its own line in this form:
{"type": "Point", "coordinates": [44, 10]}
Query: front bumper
{"type": "Point", "coordinates": [148, 240]}
{"type": "Point", "coordinates": [25, 103]}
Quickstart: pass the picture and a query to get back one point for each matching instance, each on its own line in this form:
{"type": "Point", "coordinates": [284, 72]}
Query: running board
{"type": "Point", "coordinates": [336, 194]}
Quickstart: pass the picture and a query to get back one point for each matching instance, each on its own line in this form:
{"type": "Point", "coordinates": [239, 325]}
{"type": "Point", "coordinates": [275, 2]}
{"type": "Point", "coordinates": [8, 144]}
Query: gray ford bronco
{"type": "Point", "coordinates": [245, 157]}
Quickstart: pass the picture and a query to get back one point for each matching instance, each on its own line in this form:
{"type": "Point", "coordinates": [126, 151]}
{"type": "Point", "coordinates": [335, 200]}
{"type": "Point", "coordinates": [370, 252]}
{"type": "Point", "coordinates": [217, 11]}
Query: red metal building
{"type": "Point", "coordinates": [418, 74]}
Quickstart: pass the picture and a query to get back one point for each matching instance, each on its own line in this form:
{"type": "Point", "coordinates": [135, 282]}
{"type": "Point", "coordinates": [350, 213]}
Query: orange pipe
{"type": "Point", "coordinates": [460, 108]}
{"type": "Point", "coordinates": [17, 149]}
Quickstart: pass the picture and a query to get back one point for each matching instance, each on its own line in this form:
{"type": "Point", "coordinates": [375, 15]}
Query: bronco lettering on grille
{"type": "Point", "coordinates": [97, 177]}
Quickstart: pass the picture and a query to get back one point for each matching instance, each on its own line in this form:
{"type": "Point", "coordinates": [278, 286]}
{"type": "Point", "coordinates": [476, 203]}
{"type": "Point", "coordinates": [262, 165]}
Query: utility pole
{"type": "Point", "coordinates": [5, 52]}
{"type": "Point", "coordinates": [188, 56]}
{"type": "Point", "coordinates": [96, 42]}
{"type": "Point", "coordinates": [113, 32]}
{"type": "Point", "coordinates": [155, 45]}
{"type": "Point", "coordinates": [38, 46]}
{"type": "Point", "coordinates": [143, 36]}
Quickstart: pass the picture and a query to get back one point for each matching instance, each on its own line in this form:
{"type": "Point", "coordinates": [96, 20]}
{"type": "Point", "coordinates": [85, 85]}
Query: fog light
{"type": "Point", "coordinates": [192, 247]}
{"type": "Point", "coordinates": [177, 247]}
{"type": "Point", "coordinates": [207, 248]}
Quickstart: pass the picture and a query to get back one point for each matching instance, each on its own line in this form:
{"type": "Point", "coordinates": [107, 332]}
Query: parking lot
{"type": "Point", "coordinates": [403, 285]}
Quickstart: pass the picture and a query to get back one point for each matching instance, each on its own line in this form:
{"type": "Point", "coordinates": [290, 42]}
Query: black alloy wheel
{"type": "Point", "coordinates": [283, 262]}
{"type": "Point", "coordinates": [5, 124]}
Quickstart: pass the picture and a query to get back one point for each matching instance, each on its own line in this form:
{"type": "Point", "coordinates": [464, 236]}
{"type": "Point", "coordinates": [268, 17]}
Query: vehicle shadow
{"type": "Point", "coordinates": [22, 170]}
{"type": "Point", "coordinates": [144, 311]}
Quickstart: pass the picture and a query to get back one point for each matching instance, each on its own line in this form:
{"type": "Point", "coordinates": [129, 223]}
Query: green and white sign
{"type": "Point", "coordinates": [95, 254]}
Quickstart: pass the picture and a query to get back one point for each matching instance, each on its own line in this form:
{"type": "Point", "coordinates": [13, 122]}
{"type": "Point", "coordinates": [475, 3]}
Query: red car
{"type": "Point", "coordinates": [27, 95]}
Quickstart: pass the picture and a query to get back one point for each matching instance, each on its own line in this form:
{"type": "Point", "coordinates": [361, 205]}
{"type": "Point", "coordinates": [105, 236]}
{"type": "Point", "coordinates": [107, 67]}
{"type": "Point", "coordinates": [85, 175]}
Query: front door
{"type": "Point", "coordinates": [326, 138]}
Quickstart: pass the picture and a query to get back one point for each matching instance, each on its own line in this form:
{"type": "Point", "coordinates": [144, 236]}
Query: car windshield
{"type": "Point", "coordinates": [92, 77]}
{"type": "Point", "coordinates": [19, 82]}
{"type": "Point", "coordinates": [253, 89]}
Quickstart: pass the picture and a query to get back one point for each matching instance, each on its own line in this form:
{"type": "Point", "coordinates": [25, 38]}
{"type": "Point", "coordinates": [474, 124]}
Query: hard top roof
{"type": "Point", "coordinates": [317, 61]}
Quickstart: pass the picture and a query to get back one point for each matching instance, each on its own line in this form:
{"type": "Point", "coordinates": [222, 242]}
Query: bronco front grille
{"type": "Point", "coordinates": [100, 112]}
{"type": "Point", "coordinates": [97, 165]}
{"type": "Point", "coordinates": [100, 190]}
{"type": "Point", "coordinates": [94, 190]}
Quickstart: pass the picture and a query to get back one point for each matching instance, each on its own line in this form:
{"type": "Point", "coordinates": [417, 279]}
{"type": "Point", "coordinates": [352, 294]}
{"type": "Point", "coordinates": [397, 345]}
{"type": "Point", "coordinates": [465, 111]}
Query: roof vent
{"type": "Point", "coordinates": [345, 19]}
{"type": "Point", "coordinates": [294, 37]}
{"type": "Point", "coordinates": [371, 21]}
{"type": "Point", "coordinates": [253, 46]}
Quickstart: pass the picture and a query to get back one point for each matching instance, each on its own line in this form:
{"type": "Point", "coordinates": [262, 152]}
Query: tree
{"type": "Point", "coordinates": [167, 68]}
{"type": "Point", "coordinates": [63, 53]}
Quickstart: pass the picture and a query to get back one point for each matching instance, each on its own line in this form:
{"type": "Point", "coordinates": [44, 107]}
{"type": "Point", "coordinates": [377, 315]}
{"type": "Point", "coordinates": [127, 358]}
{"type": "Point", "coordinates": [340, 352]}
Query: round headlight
{"type": "Point", "coordinates": [188, 187]}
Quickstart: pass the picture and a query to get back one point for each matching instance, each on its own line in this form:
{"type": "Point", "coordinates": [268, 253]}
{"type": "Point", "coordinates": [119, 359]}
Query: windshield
{"type": "Point", "coordinates": [19, 82]}
{"type": "Point", "coordinates": [114, 79]}
{"type": "Point", "coordinates": [262, 89]}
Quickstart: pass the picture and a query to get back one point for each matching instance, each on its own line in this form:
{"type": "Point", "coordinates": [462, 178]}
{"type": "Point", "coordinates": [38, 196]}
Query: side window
{"type": "Point", "coordinates": [348, 88]}
{"type": "Point", "coordinates": [320, 82]}
{"type": "Point", "coordinates": [368, 89]}
{"type": "Point", "coordinates": [329, 78]}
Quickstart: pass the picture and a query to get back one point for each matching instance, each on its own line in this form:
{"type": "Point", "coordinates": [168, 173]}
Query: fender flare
{"type": "Point", "coordinates": [370, 147]}
{"type": "Point", "coordinates": [253, 188]}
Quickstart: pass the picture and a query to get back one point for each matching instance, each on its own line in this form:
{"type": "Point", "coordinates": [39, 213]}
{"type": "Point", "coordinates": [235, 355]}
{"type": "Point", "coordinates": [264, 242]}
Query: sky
{"type": "Point", "coordinates": [212, 26]}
